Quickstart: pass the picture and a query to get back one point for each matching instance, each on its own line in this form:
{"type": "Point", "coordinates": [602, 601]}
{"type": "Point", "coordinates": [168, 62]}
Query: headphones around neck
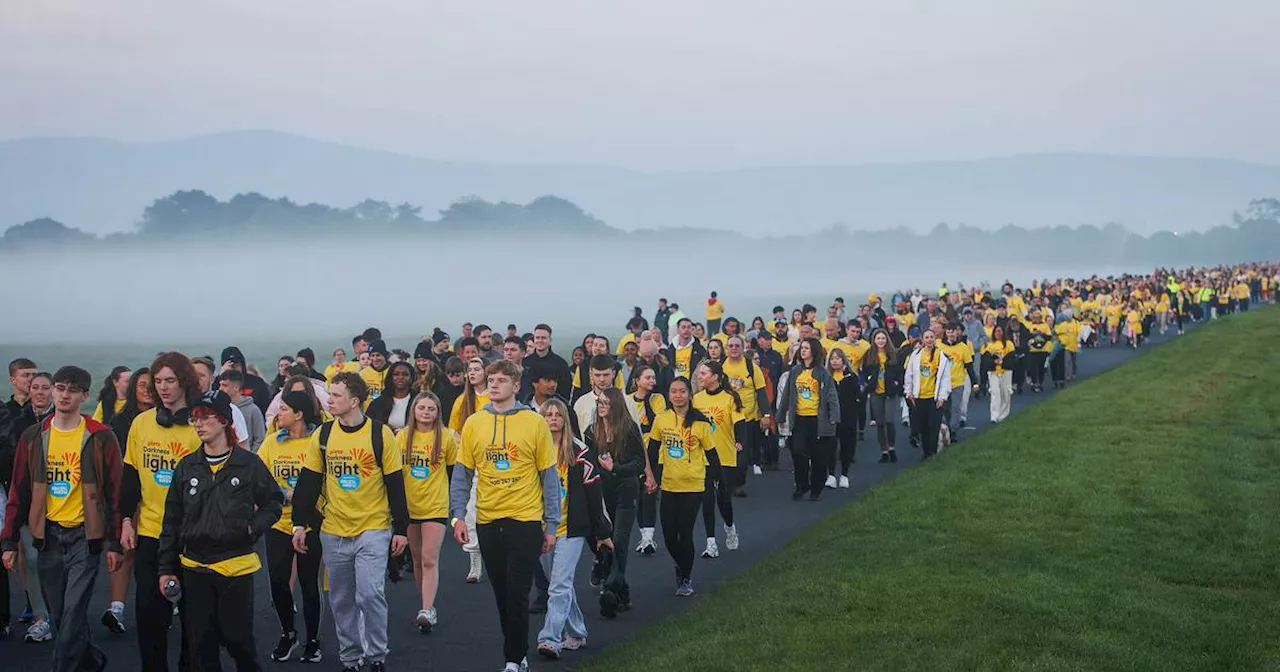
{"type": "Point", "coordinates": [167, 419]}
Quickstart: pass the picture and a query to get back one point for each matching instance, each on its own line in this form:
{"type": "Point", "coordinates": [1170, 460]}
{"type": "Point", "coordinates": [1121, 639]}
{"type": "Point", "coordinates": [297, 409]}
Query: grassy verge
{"type": "Point", "coordinates": [1132, 522]}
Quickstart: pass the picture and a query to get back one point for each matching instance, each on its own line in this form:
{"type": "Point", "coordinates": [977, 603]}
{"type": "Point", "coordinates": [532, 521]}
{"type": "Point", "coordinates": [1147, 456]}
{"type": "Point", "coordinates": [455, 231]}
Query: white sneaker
{"type": "Point", "coordinates": [473, 575]}
{"type": "Point", "coordinates": [646, 545]}
{"type": "Point", "coordinates": [756, 470]}
{"type": "Point", "coordinates": [844, 481]}
{"type": "Point", "coordinates": [731, 537]}
{"type": "Point", "coordinates": [427, 619]}
{"type": "Point", "coordinates": [39, 631]}
{"type": "Point", "coordinates": [831, 481]}
{"type": "Point", "coordinates": [711, 551]}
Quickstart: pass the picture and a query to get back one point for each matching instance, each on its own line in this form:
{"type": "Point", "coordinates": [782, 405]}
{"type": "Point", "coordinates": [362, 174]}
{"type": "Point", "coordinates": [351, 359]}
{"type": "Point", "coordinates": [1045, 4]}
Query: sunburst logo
{"type": "Point", "coordinates": [364, 461]}
{"type": "Point", "coordinates": [62, 473]}
{"type": "Point", "coordinates": [178, 449]}
{"type": "Point", "coordinates": [513, 451]}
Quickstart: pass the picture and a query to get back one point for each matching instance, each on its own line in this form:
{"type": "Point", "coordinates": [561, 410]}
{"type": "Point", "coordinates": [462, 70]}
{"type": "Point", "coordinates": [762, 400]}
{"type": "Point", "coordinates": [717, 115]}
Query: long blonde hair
{"type": "Point", "coordinates": [566, 452]}
{"type": "Point", "coordinates": [413, 425]}
{"type": "Point", "coordinates": [469, 390]}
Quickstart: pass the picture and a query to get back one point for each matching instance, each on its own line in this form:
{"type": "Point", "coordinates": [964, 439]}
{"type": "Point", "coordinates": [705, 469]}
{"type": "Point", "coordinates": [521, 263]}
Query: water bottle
{"type": "Point", "coordinates": [172, 590]}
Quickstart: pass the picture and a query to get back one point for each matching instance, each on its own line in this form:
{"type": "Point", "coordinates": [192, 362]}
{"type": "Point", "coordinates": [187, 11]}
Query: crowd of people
{"type": "Point", "coordinates": [192, 473]}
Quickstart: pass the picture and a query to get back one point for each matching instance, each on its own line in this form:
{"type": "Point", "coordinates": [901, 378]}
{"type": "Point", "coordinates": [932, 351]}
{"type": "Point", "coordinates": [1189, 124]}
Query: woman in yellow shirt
{"type": "Point", "coordinates": [429, 449]}
{"type": "Point", "coordinates": [681, 436]}
{"type": "Point", "coordinates": [112, 397]}
{"type": "Point", "coordinates": [810, 404]}
{"type": "Point", "coordinates": [997, 361]}
{"type": "Point", "coordinates": [283, 452]}
{"type": "Point", "coordinates": [882, 377]}
{"type": "Point", "coordinates": [720, 403]}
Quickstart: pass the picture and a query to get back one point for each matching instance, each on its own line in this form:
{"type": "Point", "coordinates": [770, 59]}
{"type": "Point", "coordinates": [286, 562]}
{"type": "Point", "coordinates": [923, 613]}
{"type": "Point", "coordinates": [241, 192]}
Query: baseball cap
{"type": "Point", "coordinates": [216, 401]}
{"type": "Point", "coordinates": [232, 354]}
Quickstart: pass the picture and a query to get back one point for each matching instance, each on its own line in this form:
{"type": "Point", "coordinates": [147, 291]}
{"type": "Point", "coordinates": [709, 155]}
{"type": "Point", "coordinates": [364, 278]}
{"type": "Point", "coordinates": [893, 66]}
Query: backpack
{"type": "Point", "coordinates": [375, 428]}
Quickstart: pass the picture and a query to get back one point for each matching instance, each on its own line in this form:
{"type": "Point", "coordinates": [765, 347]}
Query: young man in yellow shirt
{"type": "Point", "coordinates": [715, 313]}
{"type": "Point", "coordinates": [507, 451]}
{"type": "Point", "coordinates": [357, 463]}
{"type": "Point", "coordinates": [225, 500]}
{"type": "Point", "coordinates": [66, 476]}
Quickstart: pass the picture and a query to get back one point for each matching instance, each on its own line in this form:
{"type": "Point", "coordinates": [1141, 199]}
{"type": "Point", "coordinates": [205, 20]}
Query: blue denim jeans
{"type": "Point", "coordinates": [564, 616]}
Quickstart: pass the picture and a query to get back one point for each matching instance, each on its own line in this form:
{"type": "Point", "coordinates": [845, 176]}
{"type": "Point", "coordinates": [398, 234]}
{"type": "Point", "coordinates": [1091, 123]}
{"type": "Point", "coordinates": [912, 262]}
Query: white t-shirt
{"type": "Point", "coordinates": [239, 425]}
{"type": "Point", "coordinates": [399, 409]}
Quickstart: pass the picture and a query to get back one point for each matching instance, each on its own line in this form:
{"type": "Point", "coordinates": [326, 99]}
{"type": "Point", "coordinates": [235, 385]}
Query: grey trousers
{"type": "Point", "coordinates": [67, 573]}
{"type": "Point", "coordinates": [357, 594]}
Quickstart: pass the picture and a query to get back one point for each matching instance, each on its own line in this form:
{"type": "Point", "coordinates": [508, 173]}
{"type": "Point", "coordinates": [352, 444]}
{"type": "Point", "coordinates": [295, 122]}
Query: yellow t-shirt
{"type": "Point", "coordinates": [828, 344]}
{"type": "Point", "coordinates": [960, 355]}
{"type": "Point", "coordinates": [682, 452]}
{"type": "Point", "coordinates": [999, 350]}
{"type": "Point", "coordinates": [905, 321]}
{"type": "Point", "coordinates": [562, 530]}
{"type": "Point", "coordinates": [738, 380]}
{"type": "Point", "coordinates": [333, 369]}
{"type": "Point", "coordinates": [374, 379]}
{"type": "Point", "coordinates": [455, 416]}
{"type": "Point", "coordinates": [715, 310]}
{"type": "Point", "coordinates": [241, 565]}
{"type": "Point", "coordinates": [507, 452]}
{"type": "Point", "coordinates": [807, 390]}
{"type": "Point", "coordinates": [883, 359]}
{"type": "Point", "coordinates": [426, 481]}
{"type": "Point", "coordinates": [720, 410]}
{"type": "Point", "coordinates": [1134, 321]}
{"type": "Point", "coordinates": [355, 496]}
{"type": "Point", "coordinates": [1016, 305]}
{"type": "Point", "coordinates": [854, 352]}
{"type": "Point", "coordinates": [683, 358]}
{"type": "Point", "coordinates": [63, 501]}
{"type": "Point", "coordinates": [97, 411]}
{"type": "Point", "coordinates": [1041, 328]}
{"type": "Point", "coordinates": [284, 458]}
{"type": "Point", "coordinates": [929, 373]}
{"type": "Point", "coordinates": [780, 347]}
{"type": "Point", "coordinates": [618, 382]}
{"type": "Point", "coordinates": [656, 401]}
{"type": "Point", "coordinates": [154, 452]}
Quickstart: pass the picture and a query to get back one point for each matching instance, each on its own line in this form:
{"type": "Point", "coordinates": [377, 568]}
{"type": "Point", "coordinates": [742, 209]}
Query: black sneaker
{"type": "Point", "coordinates": [893, 456]}
{"type": "Point", "coordinates": [285, 647]}
{"type": "Point", "coordinates": [113, 622]}
{"type": "Point", "coordinates": [798, 494]}
{"type": "Point", "coordinates": [312, 654]}
{"type": "Point", "coordinates": [884, 458]}
{"type": "Point", "coordinates": [609, 604]}
{"type": "Point", "coordinates": [596, 579]}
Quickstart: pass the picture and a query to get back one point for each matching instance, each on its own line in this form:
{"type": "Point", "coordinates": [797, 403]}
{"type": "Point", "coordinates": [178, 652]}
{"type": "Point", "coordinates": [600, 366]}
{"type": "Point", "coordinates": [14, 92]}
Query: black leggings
{"type": "Point", "coordinates": [1058, 367]}
{"type": "Point", "coordinates": [280, 559]}
{"type": "Point", "coordinates": [808, 455]}
{"type": "Point", "coordinates": [719, 491]}
{"type": "Point", "coordinates": [848, 439]}
{"type": "Point", "coordinates": [679, 514]}
{"type": "Point", "coordinates": [926, 421]}
{"type": "Point", "coordinates": [1035, 366]}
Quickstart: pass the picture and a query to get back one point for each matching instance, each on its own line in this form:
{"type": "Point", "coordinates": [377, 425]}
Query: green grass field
{"type": "Point", "coordinates": [1130, 523]}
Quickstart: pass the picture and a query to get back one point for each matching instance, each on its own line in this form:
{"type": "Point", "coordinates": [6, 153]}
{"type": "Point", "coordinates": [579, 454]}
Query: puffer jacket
{"type": "Point", "coordinates": [214, 517]}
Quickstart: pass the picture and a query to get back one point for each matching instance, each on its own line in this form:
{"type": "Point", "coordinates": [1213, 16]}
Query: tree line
{"type": "Point", "coordinates": [1253, 234]}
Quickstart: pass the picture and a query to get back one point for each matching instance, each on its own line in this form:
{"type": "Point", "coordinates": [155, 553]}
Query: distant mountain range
{"type": "Point", "coordinates": [101, 186]}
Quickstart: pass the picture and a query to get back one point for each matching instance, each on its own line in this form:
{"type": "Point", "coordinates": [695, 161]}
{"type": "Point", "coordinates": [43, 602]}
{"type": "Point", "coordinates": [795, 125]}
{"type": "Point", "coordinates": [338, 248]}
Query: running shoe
{"type": "Point", "coordinates": [39, 631]}
{"type": "Point", "coordinates": [685, 589]}
{"type": "Point", "coordinates": [884, 457]}
{"type": "Point", "coordinates": [646, 545]}
{"type": "Point", "coordinates": [27, 615]}
{"type": "Point", "coordinates": [312, 654]}
{"type": "Point", "coordinates": [831, 481]}
{"type": "Point", "coordinates": [285, 647]}
{"type": "Point", "coordinates": [731, 537]}
{"type": "Point", "coordinates": [756, 470]}
{"type": "Point", "coordinates": [871, 424]}
{"type": "Point", "coordinates": [473, 574]}
{"type": "Point", "coordinates": [893, 456]}
{"type": "Point", "coordinates": [711, 551]}
{"type": "Point", "coordinates": [113, 621]}
{"type": "Point", "coordinates": [572, 643]}
{"type": "Point", "coordinates": [596, 571]}
{"type": "Point", "coordinates": [427, 620]}
{"type": "Point", "coordinates": [548, 650]}
{"type": "Point", "coordinates": [844, 482]}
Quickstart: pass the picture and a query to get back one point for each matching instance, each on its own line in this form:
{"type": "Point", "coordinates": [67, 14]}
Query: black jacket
{"type": "Point", "coordinates": [623, 483]}
{"type": "Point", "coordinates": [695, 358]}
{"type": "Point", "coordinates": [564, 381]}
{"type": "Point", "coordinates": [380, 409]}
{"type": "Point", "coordinates": [587, 517]}
{"type": "Point", "coordinates": [15, 418]}
{"type": "Point", "coordinates": [849, 389]}
{"type": "Point", "coordinates": [214, 517]}
{"type": "Point", "coordinates": [893, 377]}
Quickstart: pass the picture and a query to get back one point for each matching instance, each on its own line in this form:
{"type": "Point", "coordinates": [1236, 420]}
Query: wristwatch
{"type": "Point", "coordinates": [298, 528]}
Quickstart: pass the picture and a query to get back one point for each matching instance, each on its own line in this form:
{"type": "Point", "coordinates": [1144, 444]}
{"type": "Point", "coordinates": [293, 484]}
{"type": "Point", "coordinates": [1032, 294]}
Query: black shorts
{"type": "Point", "coordinates": [419, 521]}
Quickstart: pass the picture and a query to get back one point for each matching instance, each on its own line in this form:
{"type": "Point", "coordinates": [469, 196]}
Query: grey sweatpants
{"type": "Point", "coordinates": [357, 594]}
{"type": "Point", "coordinates": [67, 573]}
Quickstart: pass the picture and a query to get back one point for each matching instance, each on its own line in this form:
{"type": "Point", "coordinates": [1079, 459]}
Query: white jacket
{"type": "Point", "coordinates": [941, 380]}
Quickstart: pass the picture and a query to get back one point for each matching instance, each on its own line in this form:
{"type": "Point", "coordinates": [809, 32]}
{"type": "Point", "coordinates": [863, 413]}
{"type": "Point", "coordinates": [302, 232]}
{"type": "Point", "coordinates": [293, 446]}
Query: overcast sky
{"type": "Point", "coordinates": [660, 83]}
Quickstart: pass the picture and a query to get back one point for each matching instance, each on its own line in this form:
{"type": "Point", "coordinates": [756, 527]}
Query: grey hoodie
{"type": "Point", "coordinates": [462, 479]}
{"type": "Point", "coordinates": [254, 422]}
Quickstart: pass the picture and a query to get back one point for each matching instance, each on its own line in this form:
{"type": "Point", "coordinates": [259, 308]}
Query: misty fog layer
{"type": "Point", "coordinates": [317, 292]}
